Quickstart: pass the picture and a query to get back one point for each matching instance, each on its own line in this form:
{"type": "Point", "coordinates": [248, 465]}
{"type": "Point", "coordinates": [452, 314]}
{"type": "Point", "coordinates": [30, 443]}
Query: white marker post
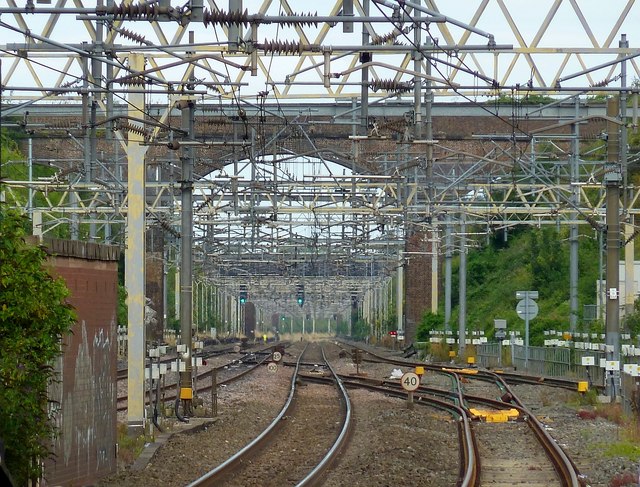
{"type": "Point", "coordinates": [410, 382]}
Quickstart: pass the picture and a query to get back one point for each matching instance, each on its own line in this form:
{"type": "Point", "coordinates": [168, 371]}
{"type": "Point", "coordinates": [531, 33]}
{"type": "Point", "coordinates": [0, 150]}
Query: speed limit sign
{"type": "Point", "coordinates": [410, 381]}
{"type": "Point", "coordinates": [277, 356]}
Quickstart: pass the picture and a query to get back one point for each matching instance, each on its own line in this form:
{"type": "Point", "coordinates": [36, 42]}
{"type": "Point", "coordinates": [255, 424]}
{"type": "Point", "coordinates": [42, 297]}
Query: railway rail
{"type": "Point", "coordinates": [508, 377]}
{"type": "Point", "coordinates": [226, 374]}
{"type": "Point", "coordinates": [469, 461]}
{"type": "Point", "coordinates": [498, 469]}
{"type": "Point", "coordinates": [262, 462]}
{"type": "Point", "coordinates": [486, 451]}
{"type": "Point", "coordinates": [207, 352]}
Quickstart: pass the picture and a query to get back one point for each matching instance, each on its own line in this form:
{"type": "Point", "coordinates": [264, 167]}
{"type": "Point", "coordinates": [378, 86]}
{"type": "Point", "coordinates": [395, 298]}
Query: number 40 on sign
{"type": "Point", "coordinates": [410, 382]}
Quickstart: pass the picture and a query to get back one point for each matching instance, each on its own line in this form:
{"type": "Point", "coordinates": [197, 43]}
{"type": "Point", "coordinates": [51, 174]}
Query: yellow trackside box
{"type": "Point", "coordinates": [471, 360]}
{"type": "Point", "coordinates": [419, 370]}
{"type": "Point", "coordinates": [583, 386]}
{"type": "Point", "coordinates": [452, 354]}
{"type": "Point", "coordinates": [186, 393]}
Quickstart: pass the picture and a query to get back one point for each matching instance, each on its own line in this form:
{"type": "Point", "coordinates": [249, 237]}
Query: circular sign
{"type": "Point", "coordinates": [410, 381]}
{"type": "Point", "coordinates": [272, 367]}
{"type": "Point", "coordinates": [527, 309]}
{"type": "Point", "coordinates": [236, 349]}
{"type": "Point", "coordinates": [277, 356]}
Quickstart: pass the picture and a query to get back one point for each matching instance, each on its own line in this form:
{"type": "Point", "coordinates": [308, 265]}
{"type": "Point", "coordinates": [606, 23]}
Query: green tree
{"type": "Point", "coordinates": [632, 321]}
{"type": "Point", "coordinates": [8, 147]}
{"type": "Point", "coordinates": [430, 321]}
{"type": "Point", "coordinates": [360, 329]}
{"type": "Point", "coordinates": [33, 319]}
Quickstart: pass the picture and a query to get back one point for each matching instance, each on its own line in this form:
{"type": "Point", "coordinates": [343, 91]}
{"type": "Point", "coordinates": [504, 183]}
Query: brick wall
{"type": "Point", "coordinates": [154, 282]}
{"type": "Point", "coordinates": [86, 393]}
{"type": "Point", "coordinates": [417, 282]}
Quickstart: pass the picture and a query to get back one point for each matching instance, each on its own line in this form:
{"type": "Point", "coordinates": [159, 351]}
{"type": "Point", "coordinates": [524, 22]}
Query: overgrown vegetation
{"type": "Point", "coordinates": [8, 150]}
{"type": "Point", "coordinates": [529, 259]}
{"type": "Point", "coordinates": [129, 447]}
{"type": "Point", "coordinates": [33, 319]}
{"type": "Point", "coordinates": [629, 430]}
{"type": "Point", "coordinates": [527, 99]}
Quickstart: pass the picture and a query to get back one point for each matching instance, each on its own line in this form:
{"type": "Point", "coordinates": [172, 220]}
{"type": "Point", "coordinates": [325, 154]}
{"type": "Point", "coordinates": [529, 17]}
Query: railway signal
{"type": "Point", "coordinates": [243, 294]}
{"type": "Point", "coordinates": [300, 294]}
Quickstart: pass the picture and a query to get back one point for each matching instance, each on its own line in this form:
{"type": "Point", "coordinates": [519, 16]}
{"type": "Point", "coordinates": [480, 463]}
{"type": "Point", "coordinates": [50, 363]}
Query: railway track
{"type": "Point", "coordinates": [508, 377]}
{"type": "Point", "coordinates": [395, 446]}
{"type": "Point", "coordinates": [227, 373]}
{"type": "Point", "coordinates": [468, 459]}
{"type": "Point", "coordinates": [487, 398]}
{"type": "Point", "coordinates": [281, 455]}
{"type": "Point", "coordinates": [207, 353]}
{"type": "Point", "coordinates": [512, 447]}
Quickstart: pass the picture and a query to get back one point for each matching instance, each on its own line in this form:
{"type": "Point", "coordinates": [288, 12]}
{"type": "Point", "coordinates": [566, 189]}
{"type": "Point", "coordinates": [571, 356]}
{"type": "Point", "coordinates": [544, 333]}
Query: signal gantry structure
{"type": "Point", "coordinates": [268, 148]}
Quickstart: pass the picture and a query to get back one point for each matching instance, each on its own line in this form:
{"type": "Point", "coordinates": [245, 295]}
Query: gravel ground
{"type": "Point", "coordinates": [585, 440]}
{"type": "Point", "coordinates": [245, 408]}
{"type": "Point", "coordinates": [390, 445]}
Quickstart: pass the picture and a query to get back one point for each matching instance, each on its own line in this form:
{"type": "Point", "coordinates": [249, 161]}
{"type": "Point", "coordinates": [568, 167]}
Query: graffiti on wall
{"type": "Point", "coordinates": [87, 436]}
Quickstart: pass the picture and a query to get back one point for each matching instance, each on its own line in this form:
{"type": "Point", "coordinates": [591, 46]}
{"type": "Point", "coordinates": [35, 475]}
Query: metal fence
{"type": "Point", "coordinates": [546, 361]}
{"type": "Point", "coordinates": [566, 363]}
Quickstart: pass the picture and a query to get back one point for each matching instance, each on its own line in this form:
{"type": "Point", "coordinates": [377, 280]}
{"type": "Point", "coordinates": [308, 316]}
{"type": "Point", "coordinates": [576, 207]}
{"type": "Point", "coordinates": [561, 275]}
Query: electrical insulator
{"type": "Point", "coordinates": [225, 18]}
{"type": "Point", "coordinates": [309, 23]}
{"type": "Point", "coordinates": [140, 39]}
{"type": "Point", "coordinates": [133, 129]}
{"type": "Point", "coordinates": [391, 85]}
{"type": "Point", "coordinates": [133, 81]}
{"type": "Point", "coordinates": [391, 36]}
{"type": "Point", "coordinates": [280, 47]}
{"type": "Point", "coordinates": [141, 11]}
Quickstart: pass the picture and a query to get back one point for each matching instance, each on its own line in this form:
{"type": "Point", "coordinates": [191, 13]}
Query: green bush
{"type": "Point", "coordinates": [33, 319]}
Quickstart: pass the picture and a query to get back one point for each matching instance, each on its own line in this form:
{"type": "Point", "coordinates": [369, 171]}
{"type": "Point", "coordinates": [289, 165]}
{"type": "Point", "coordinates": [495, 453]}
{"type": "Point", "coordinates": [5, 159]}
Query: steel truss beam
{"type": "Point", "coordinates": [311, 55]}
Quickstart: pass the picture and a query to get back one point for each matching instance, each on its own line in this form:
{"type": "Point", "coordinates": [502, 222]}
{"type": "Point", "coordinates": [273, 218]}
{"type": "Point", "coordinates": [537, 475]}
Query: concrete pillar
{"type": "Point", "coordinates": [135, 260]}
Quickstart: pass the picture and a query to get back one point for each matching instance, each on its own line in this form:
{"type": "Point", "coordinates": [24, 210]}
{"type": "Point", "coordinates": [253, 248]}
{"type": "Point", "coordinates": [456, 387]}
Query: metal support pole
{"type": "Point", "coordinates": [364, 58]}
{"type": "Point", "coordinates": [462, 282]}
{"type": "Point", "coordinates": [428, 120]}
{"type": "Point", "coordinates": [400, 293]}
{"type": "Point", "coordinates": [434, 271]}
{"type": "Point", "coordinates": [629, 271]}
{"type": "Point", "coordinates": [235, 30]}
{"type": "Point", "coordinates": [612, 180]}
{"type": "Point", "coordinates": [417, 79]}
{"type": "Point", "coordinates": [134, 261]}
{"type": "Point", "coordinates": [30, 171]}
{"type": "Point", "coordinates": [629, 257]}
{"type": "Point", "coordinates": [573, 229]}
{"type": "Point", "coordinates": [186, 242]}
{"type": "Point", "coordinates": [448, 255]}
{"type": "Point", "coordinates": [526, 334]}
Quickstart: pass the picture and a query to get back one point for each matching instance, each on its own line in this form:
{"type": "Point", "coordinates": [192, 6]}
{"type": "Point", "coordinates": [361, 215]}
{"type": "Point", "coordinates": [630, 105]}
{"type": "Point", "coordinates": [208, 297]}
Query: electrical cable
{"type": "Point", "coordinates": [177, 411]}
{"type": "Point", "coordinates": [513, 126]}
{"type": "Point", "coordinates": [433, 60]}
